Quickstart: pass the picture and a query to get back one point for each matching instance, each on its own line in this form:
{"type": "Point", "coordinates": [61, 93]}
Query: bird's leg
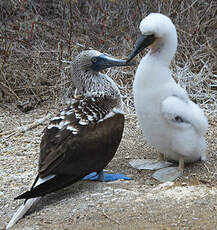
{"type": "Point", "coordinates": [181, 163]}
{"type": "Point", "coordinates": [105, 177]}
{"type": "Point", "coordinates": [170, 173]}
{"type": "Point", "coordinates": [161, 157]}
{"type": "Point", "coordinates": [101, 176]}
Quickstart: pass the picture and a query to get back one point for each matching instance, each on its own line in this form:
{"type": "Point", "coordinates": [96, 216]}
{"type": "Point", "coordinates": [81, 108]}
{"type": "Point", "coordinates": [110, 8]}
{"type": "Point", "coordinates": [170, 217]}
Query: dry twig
{"type": "Point", "coordinates": [25, 128]}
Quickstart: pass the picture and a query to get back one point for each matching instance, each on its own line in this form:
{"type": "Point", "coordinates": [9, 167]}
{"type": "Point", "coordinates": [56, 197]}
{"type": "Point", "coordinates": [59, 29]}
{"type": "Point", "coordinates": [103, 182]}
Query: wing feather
{"type": "Point", "coordinates": [183, 114]}
{"type": "Point", "coordinates": [66, 135]}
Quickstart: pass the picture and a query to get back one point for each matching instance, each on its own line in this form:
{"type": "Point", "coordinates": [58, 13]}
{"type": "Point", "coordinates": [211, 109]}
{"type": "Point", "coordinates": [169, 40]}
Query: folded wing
{"type": "Point", "coordinates": [184, 114]}
{"type": "Point", "coordinates": [81, 140]}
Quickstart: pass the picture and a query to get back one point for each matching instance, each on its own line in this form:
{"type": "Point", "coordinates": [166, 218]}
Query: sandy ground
{"type": "Point", "coordinates": [143, 203]}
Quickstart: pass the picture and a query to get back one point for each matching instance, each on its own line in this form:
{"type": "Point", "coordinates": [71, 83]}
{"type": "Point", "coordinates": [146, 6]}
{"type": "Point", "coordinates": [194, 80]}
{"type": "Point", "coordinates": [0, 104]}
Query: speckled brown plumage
{"type": "Point", "coordinates": [84, 137]}
{"type": "Point", "coordinates": [62, 145]}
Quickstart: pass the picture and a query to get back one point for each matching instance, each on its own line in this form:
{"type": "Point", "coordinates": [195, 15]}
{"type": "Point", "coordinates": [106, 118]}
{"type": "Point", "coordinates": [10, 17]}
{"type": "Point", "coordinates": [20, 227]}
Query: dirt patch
{"type": "Point", "coordinates": [143, 203]}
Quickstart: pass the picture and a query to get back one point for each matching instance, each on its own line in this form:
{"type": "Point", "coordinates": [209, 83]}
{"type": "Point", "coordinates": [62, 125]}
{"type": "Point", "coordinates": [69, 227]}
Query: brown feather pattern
{"type": "Point", "coordinates": [80, 130]}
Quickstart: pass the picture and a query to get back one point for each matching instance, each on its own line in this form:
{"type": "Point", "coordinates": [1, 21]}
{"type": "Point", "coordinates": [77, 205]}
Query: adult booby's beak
{"type": "Point", "coordinates": [143, 42]}
{"type": "Point", "coordinates": [103, 62]}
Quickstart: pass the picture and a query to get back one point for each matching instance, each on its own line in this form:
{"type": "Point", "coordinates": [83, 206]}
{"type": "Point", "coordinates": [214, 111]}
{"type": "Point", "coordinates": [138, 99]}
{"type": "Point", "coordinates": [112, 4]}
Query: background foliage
{"type": "Point", "coordinates": [36, 35]}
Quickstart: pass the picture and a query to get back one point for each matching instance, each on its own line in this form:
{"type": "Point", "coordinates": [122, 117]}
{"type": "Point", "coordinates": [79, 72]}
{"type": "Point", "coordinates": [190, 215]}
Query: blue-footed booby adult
{"type": "Point", "coordinates": [170, 121]}
{"type": "Point", "coordinates": [85, 136]}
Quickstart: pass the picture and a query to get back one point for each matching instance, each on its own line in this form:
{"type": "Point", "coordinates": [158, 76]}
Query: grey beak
{"type": "Point", "coordinates": [143, 42]}
{"type": "Point", "coordinates": [104, 62]}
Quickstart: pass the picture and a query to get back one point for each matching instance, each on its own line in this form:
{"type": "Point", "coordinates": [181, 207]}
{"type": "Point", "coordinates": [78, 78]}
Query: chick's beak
{"type": "Point", "coordinates": [143, 42]}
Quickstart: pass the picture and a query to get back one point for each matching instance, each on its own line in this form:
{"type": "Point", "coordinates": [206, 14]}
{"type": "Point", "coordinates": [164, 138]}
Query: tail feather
{"type": "Point", "coordinates": [22, 210]}
{"type": "Point", "coordinates": [51, 185]}
{"type": "Point", "coordinates": [27, 204]}
{"type": "Point", "coordinates": [41, 187]}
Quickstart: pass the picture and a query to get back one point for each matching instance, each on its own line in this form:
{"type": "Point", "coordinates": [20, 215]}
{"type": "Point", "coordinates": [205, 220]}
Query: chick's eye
{"type": "Point", "coordinates": [94, 60]}
{"type": "Point", "coordinates": [151, 35]}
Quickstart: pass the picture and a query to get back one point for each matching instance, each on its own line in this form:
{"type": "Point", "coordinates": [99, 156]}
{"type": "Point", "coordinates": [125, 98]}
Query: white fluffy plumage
{"type": "Point", "coordinates": [170, 121]}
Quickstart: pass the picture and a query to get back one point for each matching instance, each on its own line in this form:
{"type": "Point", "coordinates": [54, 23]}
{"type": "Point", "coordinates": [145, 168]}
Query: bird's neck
{"type": "Point", "coordinates": [91, 83]}
{"type": "Point", "coordinates": [164, 49]}
{"type": "Point", "coordinates": [153, 69]}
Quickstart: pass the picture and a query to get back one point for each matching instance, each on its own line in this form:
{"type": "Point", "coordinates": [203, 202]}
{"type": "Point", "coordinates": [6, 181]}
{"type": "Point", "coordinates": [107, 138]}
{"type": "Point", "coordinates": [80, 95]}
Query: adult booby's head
{"type": "Point", "coordinates": [86, 74]}
{"type": "Point", "coordinates": [92, 60]}
{"type": "Point", "coordinates": [158, 33]}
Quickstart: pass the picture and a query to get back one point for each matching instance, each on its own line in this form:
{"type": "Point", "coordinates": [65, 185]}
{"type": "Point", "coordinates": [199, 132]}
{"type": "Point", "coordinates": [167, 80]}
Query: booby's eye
{"type": "Point", "coordinates": [151, 36]}
{"type": "Point", "coordinates": [94, 60]}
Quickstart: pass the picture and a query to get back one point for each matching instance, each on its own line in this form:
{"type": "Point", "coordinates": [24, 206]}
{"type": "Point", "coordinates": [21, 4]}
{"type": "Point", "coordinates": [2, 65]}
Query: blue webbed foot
{"type": "Point", "coordinates": [105, 177]}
